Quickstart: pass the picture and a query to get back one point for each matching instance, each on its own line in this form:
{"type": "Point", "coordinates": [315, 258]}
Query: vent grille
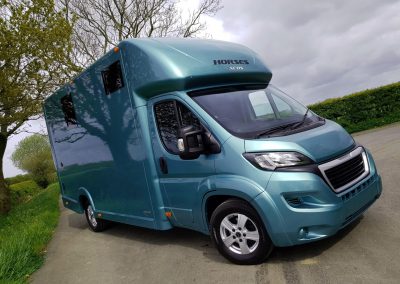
{"type": "Point", "coordinates": [344, 173]}
{"type": "Point", "coordinates": [347, 170]}
{"type": "Point", "coordinates": [294, 201]}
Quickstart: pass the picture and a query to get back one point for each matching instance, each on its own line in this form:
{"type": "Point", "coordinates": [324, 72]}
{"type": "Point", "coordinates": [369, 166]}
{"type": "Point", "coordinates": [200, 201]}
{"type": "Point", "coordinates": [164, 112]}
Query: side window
{"type": "Point", "coordinates": [186, 117]}
{"type": "Point", "coordinates": [167, 125]}
{"type": "Point", "coordinates": [170, 116]}
{"type": "Point", "coordinates": [112, 78]}
{"type": "Point", "coordinates": [67, 107]}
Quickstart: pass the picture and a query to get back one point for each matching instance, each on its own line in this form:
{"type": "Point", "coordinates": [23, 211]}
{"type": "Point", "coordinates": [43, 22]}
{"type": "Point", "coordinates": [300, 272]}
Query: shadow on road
{"type": "Point", "coordinates": [313, 249]}
{"type": "Point", "coordinates": [175, 237]}
{"type": "Point", "coordinates": [195, 240]}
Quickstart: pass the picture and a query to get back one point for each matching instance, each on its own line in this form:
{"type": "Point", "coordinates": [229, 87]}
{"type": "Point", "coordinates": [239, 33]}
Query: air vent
{"type": "Point", "coordinates": [293, 201]}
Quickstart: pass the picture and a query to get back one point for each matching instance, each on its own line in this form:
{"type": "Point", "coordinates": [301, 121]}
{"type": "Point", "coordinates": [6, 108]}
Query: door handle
{"type": "Point", "coordinates": [163, 165]}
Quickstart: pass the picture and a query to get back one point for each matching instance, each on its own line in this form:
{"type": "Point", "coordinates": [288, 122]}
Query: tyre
{"type": "Point", "coordinates": [96, 224]}
{"type": "Point", "coordinates": [239, 234]}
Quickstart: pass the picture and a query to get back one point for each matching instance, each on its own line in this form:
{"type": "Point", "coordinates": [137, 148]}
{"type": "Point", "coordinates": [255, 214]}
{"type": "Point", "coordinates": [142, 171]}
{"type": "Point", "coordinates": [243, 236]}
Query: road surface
{"type": "Point", "coordinates": [366, 252]}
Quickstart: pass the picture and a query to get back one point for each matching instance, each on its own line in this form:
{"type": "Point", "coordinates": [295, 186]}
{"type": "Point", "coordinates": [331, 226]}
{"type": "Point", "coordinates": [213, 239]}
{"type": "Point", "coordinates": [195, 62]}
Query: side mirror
{"type": "Point", "coordinates": [190, 143]}
{"type": "Point", "coordinates": [211, 145]}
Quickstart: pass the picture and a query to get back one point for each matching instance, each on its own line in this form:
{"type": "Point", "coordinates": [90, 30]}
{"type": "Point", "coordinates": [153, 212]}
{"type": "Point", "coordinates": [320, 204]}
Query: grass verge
{"type": "Point", "coordinates": [24, 234]}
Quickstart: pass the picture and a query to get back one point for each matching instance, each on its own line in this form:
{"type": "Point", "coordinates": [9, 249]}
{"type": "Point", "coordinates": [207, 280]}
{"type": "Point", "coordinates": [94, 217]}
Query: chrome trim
{"type": "Point", "coordinates": [342, 159]}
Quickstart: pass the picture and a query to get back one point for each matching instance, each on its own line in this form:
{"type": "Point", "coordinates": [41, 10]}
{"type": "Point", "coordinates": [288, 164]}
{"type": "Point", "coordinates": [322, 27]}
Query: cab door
{"type": "Point", "coordinates": [179, 179]}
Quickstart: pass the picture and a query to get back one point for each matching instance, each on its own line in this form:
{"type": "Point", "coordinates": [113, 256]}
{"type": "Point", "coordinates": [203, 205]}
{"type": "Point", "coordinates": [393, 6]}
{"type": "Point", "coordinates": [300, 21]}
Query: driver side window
{"type": "Point", "coordinates": [170, 117]}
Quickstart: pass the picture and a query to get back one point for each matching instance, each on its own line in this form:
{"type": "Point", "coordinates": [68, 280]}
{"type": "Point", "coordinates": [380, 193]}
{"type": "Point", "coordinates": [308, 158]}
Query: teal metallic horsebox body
{"type": "Point", "coordinates": [186, 132]}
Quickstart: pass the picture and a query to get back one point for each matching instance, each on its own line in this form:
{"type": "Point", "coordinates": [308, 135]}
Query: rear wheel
{"type": "Point", "coordinates": [239, 233]}
{"type": "Point", "coordinates": [96, 224]}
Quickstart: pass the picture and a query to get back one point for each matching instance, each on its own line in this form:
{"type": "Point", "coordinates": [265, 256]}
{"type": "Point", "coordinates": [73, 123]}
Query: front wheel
{"type": "Point", "coordinates": [96, 224]}
{"type": "Point", "coordinates": [239, 233]}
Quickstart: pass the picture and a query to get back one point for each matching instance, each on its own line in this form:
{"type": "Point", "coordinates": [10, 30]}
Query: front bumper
{"type": "Point", "coordinates": [306, 208]}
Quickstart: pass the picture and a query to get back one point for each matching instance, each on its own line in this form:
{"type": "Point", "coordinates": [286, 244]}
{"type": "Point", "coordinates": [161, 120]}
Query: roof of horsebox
{"type": "Point", "coordinates": [158, 65]}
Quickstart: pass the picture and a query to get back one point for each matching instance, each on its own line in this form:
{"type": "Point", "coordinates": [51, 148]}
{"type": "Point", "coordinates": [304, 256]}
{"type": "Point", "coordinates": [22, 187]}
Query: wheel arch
{"type": "Point", "coordinates": [213, 199]}
{"type": "Point", "coordinates": [254, 252]}
{"type": "Point", "coordinates": [222, 187]}
{"type": "Point", "coordinates": [85, 199]}
{"type": "Point", "coordinates": [263, 204]}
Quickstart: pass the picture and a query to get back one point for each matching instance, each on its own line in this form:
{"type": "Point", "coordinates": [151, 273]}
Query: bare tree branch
{"type": "Point", "coordinates": [102, 24]}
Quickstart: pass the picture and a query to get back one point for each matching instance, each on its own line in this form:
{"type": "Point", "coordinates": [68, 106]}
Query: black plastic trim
{"type": "Point", "coordinates": [312, 168]}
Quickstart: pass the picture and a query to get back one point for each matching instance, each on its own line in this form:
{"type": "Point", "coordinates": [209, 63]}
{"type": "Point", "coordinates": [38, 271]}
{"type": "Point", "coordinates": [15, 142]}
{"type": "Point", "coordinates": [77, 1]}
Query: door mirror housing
{"type": "Point", "coordinates": [190, 143]}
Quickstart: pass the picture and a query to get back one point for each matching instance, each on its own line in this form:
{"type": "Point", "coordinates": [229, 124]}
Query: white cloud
{"type": "Point", "coordinates": [320, 49]}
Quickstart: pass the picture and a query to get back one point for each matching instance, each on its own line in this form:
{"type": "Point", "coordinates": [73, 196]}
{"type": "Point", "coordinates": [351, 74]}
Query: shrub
{"type": "Point", "coordinates": [363, 110]}
{"type": "Point", "coordinates": [33, 155]}
{"type": "Point", "coordinates": [52, 177]}
{"type": "Point", "coordinates": [23, 191]}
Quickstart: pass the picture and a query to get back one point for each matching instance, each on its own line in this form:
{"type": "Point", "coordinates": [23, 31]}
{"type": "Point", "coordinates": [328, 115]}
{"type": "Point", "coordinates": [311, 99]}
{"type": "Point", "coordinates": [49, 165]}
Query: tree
{"type": "Point", "coordinates": [33, 155]}
{"type": "Point", "coordinates": [102, 24]}
{"type": "Point", "coordinates": [35, 47]}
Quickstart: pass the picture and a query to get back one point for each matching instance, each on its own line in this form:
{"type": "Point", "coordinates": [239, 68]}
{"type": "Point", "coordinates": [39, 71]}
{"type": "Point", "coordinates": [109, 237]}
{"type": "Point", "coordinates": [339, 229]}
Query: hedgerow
{"type": "Point", "coordinates": [363, 110]}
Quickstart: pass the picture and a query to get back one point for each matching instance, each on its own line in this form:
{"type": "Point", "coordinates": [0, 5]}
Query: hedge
{"type": "Point", "coordinates": [23, 191]}
{"type": "Point", "coordinates": [363, 110]}
{"type": "Point", "coordinates": [18, 179]}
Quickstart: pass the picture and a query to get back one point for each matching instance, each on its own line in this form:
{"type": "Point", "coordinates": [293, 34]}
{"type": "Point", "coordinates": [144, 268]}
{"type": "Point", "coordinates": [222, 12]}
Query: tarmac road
{"type": "Point", "coordinates": [366, 252]}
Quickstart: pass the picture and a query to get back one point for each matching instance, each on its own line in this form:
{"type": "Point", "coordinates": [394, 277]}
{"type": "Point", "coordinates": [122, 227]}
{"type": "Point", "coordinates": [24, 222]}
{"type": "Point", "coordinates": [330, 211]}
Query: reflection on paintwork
{"type": "Point", "coordinates": [107, 168]}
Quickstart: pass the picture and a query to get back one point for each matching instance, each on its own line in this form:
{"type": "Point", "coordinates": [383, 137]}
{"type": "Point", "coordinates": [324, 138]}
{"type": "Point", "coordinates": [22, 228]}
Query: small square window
{"type": "Point", "coordinates": [67, 107]}
{"type": "Point", "coordinates": [112, 78]}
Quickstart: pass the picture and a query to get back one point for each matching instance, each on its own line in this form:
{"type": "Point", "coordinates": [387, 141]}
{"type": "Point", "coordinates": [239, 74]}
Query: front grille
{"type": "Point", "coordinates": [346, 171]}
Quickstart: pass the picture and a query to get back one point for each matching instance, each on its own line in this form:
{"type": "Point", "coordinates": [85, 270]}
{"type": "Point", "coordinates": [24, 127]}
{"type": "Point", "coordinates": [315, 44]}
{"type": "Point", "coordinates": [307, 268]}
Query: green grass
{"type": "Point", "coordinates": [23, 191]}
{"type": "Point", "coordinates": [18, 179]}
{"type": "Point", "coordinates": [24, 234]}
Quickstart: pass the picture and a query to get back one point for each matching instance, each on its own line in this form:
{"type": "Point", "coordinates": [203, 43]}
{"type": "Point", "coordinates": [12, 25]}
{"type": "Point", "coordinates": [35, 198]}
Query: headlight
{"type": "Point", "coordinates": [273, 160]}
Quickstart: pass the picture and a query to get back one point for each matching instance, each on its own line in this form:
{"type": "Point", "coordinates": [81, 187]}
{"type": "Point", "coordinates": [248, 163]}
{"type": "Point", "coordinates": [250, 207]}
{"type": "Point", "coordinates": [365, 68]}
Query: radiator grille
{"type": "Point", "coordinates": [346, 171]}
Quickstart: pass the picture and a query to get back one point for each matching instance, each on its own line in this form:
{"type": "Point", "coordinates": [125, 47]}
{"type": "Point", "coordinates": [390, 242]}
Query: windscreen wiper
{"type": "Point", "coordinates": [273, 130]}
{"type": "Point", "coordinates": [291, 126]}
{"type": "Point", "coordinates": [298, 124]}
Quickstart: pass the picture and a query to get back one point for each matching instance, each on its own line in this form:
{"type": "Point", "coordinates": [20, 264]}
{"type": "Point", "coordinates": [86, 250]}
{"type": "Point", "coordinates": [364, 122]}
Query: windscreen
{"type": "Point", "coordinates": [254, 112]}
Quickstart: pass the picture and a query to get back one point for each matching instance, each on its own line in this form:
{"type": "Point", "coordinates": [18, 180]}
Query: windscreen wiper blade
{"type": "Point", "coordinates": [273, 130]}
{"type": "Point", "coordinates": [298, 124]}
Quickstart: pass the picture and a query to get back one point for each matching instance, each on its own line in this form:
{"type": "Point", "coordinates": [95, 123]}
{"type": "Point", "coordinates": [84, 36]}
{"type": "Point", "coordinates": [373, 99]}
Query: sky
{"type": "Point", "coordinates": [316, 49]}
